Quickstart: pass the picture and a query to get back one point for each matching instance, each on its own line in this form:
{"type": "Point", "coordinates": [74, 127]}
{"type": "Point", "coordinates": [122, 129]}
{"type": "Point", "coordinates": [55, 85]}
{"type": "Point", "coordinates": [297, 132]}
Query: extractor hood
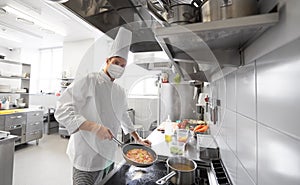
{"type": "Point", "coordinates": [107, 15]}
{"type": "Point", "coordinates": [196, 50]}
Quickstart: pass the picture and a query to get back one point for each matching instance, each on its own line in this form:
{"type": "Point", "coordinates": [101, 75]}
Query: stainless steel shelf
{"type": "Point", "coordinates": [191, 41]}
{"type": "Point", "coordinates": [14, 77]}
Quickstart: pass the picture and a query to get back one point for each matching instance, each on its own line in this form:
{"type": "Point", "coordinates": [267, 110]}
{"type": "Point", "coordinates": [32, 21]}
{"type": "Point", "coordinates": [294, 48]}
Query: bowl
{"type": "Point", "coordinates": [21, 105]}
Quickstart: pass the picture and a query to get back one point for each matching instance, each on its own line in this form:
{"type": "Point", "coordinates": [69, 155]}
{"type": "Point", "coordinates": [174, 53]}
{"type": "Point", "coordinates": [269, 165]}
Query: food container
{"type": "Point", "coordinates": [182, 135]}
{"type": "Point", "coordinates": [176, 148]}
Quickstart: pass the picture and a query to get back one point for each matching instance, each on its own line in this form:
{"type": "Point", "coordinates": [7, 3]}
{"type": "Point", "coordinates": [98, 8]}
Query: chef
{"type": "Point", "coordinates": [92, 109]}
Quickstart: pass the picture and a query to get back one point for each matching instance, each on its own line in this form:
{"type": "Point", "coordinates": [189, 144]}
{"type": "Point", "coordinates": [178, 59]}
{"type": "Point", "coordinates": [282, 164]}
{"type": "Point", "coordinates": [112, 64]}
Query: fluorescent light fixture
{"type": "Point", "coordinates": [56, 1]}
{"type": "Point", "coordinates": [42, 24]}
{"type": "Point", "coordinates": [47, 31]}
{"type": "Point", "coordinates": [24, 21]}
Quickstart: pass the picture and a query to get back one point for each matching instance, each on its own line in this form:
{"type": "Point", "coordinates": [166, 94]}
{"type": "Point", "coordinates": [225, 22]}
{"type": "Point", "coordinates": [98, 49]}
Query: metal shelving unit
{"type": "Point", "coordinates": [211, 46]}
{"type": "Point", "coordinates": [234, 33]}
{"type": "Point", "coordinates": [24, 81]}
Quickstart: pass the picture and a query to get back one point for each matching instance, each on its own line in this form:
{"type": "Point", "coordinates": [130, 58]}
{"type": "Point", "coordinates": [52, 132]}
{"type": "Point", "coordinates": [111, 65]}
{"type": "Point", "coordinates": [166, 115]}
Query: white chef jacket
{"type": "Point", "coordinates": [95, 98]}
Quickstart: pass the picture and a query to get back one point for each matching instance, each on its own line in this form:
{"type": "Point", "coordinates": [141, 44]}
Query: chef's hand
{"type": "Point", "coordinates": [145, 142]}
{"type": "Point", "coordinates": [101, 131]}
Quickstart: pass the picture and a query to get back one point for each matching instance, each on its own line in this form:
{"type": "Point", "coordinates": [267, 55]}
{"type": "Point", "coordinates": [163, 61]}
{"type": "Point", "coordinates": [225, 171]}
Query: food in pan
{"type": "Point", "coordinates": [140, 156]}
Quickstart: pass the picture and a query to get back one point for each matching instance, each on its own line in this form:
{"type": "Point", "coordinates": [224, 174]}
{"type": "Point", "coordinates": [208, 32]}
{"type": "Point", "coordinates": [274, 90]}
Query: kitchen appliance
{"type": "Point", "coordinates": [177, 101]}
{"type": "Point", "coordinates": [206, 173]}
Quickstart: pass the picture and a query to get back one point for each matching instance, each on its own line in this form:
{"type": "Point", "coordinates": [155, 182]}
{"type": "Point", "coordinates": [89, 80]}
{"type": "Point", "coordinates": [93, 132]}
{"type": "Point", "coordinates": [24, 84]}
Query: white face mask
{"type": "Point", "coordinates": [115, 71]}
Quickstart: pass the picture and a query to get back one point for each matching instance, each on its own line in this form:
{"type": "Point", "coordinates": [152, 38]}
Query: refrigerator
{"type": "Point", "coordinates": [178, 101]}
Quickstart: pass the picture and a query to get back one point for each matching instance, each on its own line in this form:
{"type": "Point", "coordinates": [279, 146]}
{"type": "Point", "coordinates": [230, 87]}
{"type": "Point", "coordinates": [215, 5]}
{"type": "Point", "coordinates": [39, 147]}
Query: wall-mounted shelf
{"type": "Point", "coordinates": [234, 33]}
{"type": "Point", "coordinates": [211, 45]}
{"type": "Point", "coordinates": [16, 75]}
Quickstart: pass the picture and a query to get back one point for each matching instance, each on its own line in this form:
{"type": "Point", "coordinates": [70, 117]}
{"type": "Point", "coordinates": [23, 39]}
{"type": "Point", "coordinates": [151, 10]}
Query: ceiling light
{"type": "Point", "coordinates": [47, 31]}
{"type": "Point", "coordinates": [32, 20]}
{"type": "Point", "coordinates": [56, 1]}
{"type": "Point", "coordinates": [24, 21]}
{"type": "Point", "coordinates": [2, 11]}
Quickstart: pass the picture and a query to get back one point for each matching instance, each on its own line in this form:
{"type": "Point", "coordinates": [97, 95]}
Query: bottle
{"type": "Point", "coordinates": [168, 130]}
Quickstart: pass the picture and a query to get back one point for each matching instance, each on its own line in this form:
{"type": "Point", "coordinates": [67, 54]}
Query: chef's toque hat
{"type": "Point", "coordinates": [121, 44]}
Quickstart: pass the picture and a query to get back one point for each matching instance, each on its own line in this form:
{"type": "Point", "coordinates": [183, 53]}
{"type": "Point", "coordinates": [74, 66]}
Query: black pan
{"type": "Point", "coordinates": [129, 146]}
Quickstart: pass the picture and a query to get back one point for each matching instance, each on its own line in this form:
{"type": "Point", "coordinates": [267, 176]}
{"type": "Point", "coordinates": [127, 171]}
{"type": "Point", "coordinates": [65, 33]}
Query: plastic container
{"type": "Point", "coordinates": [182, 135]}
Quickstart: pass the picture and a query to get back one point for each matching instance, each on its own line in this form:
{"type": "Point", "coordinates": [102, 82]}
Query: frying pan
{"type": "Point", "coordinates": [129, 146]}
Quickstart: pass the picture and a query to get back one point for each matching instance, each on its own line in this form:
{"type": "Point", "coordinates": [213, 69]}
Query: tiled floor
{"type": "Point", "coordinates": [44, 164]}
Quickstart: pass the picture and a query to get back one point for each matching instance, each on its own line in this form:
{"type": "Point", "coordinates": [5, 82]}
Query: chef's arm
{"type": "Point", "coordinates": [101, 131]}
{"type": "Point", "coordinates": [140, 140]}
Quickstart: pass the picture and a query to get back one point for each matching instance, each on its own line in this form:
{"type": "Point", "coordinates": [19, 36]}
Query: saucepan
{"type": "Point", "coordinates": [182, 171]}
{"type": "Point", "coordinates": [130, 146]}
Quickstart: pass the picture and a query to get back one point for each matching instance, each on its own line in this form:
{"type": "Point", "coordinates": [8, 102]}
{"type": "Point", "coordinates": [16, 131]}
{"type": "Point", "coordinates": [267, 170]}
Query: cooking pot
{"type": "Point", "coordinates": [213, 10]}
{"type": "Point", "coordinates": [238, 8]}
{"type": "Point", "coordinates": [182, 171]}
{"type": "Point", "coordinates": [129, 146]}
{"type": "Point", "coordinates": [183, 14]}
{"type": "Point", "coordinates": [210, 10]}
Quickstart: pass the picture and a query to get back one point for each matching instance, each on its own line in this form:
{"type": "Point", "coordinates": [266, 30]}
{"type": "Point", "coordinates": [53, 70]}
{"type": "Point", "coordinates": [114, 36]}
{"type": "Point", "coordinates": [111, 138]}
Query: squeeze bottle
{"type": "Point", "coordinates": [168, 129]}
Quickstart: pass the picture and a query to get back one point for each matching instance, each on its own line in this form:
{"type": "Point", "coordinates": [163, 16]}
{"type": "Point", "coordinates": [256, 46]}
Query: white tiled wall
{"type": "Point", "coordinates": [260, 139]}
{"type": "Point", "coordinates": [260, 133]}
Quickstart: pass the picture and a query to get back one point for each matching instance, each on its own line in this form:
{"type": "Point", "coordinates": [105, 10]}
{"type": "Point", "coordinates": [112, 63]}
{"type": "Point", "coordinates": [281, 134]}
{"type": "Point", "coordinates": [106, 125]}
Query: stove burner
{"type": "Point", "coordinates": [131, 175]}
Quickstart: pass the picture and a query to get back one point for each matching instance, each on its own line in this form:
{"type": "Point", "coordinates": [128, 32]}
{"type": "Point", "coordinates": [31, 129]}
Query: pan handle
{"type": "Point", "coordinates": [164, 179]}
{"type": "Point", "coordinates": [117, 141]}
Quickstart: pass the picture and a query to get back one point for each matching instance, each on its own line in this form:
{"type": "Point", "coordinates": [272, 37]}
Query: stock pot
{"type": "Point", "coordinates": [183, 14]}
{"type": "Point", "coordinates": [182, 171]}
{"type": "Point", "coordinates": [213, 10]}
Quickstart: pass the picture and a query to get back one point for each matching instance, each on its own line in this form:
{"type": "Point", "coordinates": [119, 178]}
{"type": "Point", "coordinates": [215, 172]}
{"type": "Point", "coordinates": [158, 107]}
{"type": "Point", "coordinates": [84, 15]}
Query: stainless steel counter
{"type": "Point", "coordinates": [7, 148]}
{"type": "Point", "coordinates": [161, 147]}
{"type": "Point", "coordinates": [162, 150]}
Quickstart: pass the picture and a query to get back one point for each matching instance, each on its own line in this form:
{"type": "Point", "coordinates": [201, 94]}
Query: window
{"type": "Point", "coordinates": [146, 86]}
{"type": "Point", "coordinates": [48, 71]}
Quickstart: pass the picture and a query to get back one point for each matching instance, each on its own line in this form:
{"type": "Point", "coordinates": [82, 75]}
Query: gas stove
{"type": "Point", "coordinates": [130, 175]}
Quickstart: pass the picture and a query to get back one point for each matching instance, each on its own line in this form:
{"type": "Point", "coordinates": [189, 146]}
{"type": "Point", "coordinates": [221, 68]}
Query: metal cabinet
{"type": "Point", "coordinates": [7, 159]}
{"type": "Point", "coordinates": [2, 120]}
{"type": "Point", "coordinates": [34, 126]}
{"type": "Point", "coordinates": [16, 125]}
{"type": "Point", "coordinates": [27, 126]}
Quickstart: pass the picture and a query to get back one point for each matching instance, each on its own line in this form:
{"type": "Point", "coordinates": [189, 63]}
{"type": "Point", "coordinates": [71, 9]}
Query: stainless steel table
{"type": "Point", "coordinates": [7, 148]}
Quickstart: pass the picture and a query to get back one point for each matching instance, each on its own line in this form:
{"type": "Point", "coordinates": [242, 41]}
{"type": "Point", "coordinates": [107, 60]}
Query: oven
{"type": "Point", "coordinates": [207, 173]}
{"type": "Point", "coordinates": [16, 125]}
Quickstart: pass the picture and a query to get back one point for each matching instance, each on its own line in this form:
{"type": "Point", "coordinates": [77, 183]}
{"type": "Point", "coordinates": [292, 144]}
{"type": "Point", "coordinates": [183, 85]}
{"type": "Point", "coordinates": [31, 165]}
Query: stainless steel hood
{"type": "Point", "coordinates": [197, 50]}
{"type": "Point", "coordinates": [107, 15]}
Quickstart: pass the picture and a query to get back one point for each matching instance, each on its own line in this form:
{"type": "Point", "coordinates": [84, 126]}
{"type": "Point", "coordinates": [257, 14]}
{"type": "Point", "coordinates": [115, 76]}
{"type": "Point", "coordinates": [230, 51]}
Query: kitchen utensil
{"type": "Point", "coordinates": [183, 14]}
{"type": "Point", "coordinates": [129, 146]}
{"type": "Point", "coordinates": [210, 10]}
{"type": "Point", "coordinates": [238, 8]}
{"type": "Point", "coordinates": [182, 171]}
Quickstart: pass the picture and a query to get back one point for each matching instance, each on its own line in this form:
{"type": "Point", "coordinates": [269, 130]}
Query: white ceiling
{"type": "Point", "coordinates": [64, 25]}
